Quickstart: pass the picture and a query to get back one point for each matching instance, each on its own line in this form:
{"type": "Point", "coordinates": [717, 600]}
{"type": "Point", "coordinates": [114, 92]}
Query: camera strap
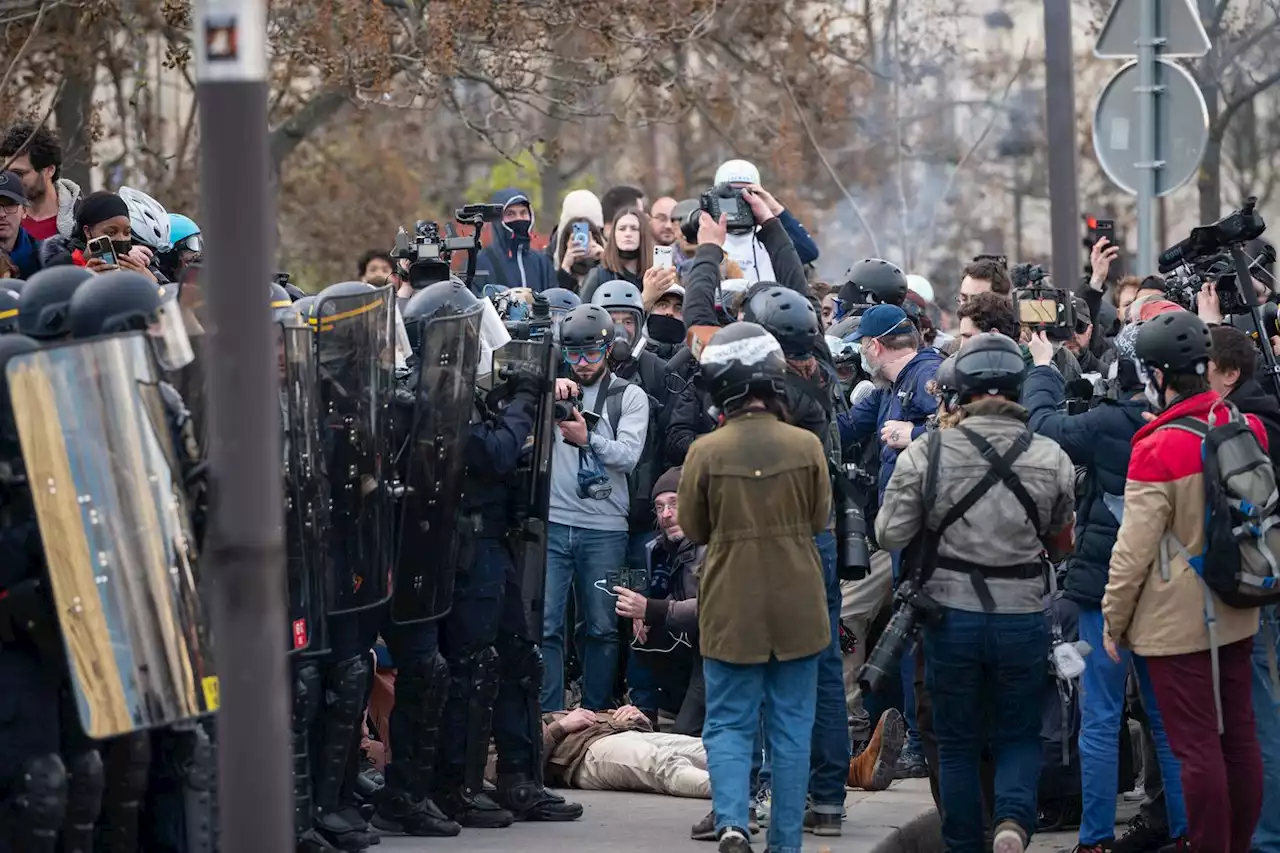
{"type": "Point", "coordinates": [596, 409]}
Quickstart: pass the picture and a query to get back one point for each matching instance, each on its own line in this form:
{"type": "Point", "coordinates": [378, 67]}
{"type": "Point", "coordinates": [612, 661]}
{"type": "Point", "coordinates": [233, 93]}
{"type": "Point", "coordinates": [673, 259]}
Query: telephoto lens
{"type": "Point", "coordinates": [851, 526]}
{"type": "Point", "coordinates": [883, 662]}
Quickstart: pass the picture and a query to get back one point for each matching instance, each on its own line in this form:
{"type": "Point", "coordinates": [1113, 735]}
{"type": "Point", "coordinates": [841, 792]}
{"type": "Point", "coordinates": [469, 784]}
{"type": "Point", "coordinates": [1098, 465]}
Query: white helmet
{"type": "Point", "coordinates": [148, 219]}
{"type": "Point", "coordinates": [921, 286]}
{"type": "Point", "coordinates": [737, 172]}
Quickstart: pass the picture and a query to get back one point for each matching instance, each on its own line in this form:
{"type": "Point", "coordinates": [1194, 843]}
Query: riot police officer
{"type": "Point", "coordinates": [42, 305]}
{"type": "Point", "coordinates": [8, 311]}
{"type": "Point", "coordinates": [495, 669]}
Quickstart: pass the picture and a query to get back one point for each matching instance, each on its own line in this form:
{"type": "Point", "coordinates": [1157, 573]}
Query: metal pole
{"type": "Point", "coordinates": [245, 541]}
{"type": "Point", "coordinates": [1060, 126]}
{"type": "Point", "coordinates": [1148, 166]}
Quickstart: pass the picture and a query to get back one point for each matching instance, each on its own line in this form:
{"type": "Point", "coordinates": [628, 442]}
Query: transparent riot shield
{"type": "Point", "coordinates": [108, 495]}
{"type": "Point", "coordinates": [433, 464]}
{"type": "Point", "coordinates": [532, 482]}
{"type": "Point", "coordinates": [306, 493]}
{"type": "Point", "coordinates": [355, 374]}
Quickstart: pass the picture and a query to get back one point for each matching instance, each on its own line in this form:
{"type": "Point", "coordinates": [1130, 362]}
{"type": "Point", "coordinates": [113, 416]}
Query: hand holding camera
{"type": "Point", "coordinates": [1041, 349]}
{"type": "Point", "coordinates": [574, 428]}
{"type": "Point", "coordinates": [763, 205]}
{"type": "Point", "coordinates": [711, 231]}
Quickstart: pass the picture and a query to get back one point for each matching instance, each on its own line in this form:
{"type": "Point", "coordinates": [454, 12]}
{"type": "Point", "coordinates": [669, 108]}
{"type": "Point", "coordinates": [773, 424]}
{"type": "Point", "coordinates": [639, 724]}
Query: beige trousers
{"type": "Point", "coordinates": [654, 762]}
{"type": "Point", "coordinates": [861, 602]}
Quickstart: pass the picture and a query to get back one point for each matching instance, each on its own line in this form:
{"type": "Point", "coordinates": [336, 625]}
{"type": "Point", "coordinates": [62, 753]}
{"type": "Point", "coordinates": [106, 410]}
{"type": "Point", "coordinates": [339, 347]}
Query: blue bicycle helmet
{"type": "Point", "coordinates": [184, 233]}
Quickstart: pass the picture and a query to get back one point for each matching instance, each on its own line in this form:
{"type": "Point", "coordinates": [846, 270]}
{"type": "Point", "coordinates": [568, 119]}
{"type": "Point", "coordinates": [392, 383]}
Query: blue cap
{"type": "Point", "coordinates": [880, 320]}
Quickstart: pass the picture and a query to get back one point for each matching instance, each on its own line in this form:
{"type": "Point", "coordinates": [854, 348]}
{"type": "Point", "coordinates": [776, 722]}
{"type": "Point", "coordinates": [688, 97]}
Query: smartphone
{"type": "Point", "coordinates": [1105, 228]}
{"type": "Point", "coordinates": [636, 580]}
{"type": "Point", "coordinates": [582, 234]}
{"type": "Point", "coordinates": [104, 250]}
{"type": "Point", "coordinates": [664, 257]}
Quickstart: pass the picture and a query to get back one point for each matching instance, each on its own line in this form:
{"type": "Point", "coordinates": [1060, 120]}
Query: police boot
{"type": "Point", "coordinates": [307, 689]}
{"type": "Point", "coordinates": [85, 785]}
{"type": "Point", "coordinates": [473, 684]}
{"type": "Point", "coordinates": [404, 805]}
{"type": "Point", "coordinates": [127, 767]}
{"type": "Point", "coordinates": [353, 789]}
{"type": "Point", "coordinates": [527, 799]}
{"type": "Point", "coordinates": [189, 760]}
{"type": "Point", "coordinates": [336, 821]}
{"type": "Point", "coordinates": [37, 804]}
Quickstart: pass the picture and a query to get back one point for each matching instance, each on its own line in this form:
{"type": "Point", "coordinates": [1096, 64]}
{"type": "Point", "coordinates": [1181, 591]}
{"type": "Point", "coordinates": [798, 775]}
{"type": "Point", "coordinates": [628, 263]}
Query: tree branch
{"type": "Point", "coordinates": [17, 57]}
{"type": "Point", "coordinates": [1232, 106]}
{"type": "Point", "coordinates": [289, 135]}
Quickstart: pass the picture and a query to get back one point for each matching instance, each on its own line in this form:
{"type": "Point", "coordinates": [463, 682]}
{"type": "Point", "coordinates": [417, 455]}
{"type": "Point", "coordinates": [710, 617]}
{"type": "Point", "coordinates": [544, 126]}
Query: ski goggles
{"type": "Point", "coordinates": [590, 355]}
{"type": "Point", "coordinates": [190, 244]}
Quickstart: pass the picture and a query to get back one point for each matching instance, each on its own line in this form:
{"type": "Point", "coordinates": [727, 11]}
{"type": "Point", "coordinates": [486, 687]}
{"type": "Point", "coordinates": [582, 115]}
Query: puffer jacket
{"type": "Point", "coordinates": [996, 531]}
{"type": "Point", "coordinates": [1099, 440]}
{"type": "Point", "coordinates": [1165, 494]}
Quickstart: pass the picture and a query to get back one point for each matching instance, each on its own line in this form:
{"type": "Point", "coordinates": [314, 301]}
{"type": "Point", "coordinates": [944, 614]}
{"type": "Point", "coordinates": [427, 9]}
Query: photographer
{"type": "Point", "coordinates": [984, 536]}
{"type": "Point", "coordinates": [1099, 441]}
{"type": "Point", "coordinates": [749, 249]}
{"type": "Point", "coordinates": [1233, 361]}
{"type": "Point", "coordinates": [590, 504]}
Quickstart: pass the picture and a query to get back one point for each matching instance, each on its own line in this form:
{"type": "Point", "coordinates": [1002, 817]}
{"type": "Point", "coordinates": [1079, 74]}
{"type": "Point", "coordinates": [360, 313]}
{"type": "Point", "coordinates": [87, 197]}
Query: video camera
{"type": "Point", "coordinates": [430, 256]}
{"type": "Point", "coordinates": [1041, 306]}
{"type": "Point", "coordinates": [1237, 227]}
{"type": "Point", "coordinates": [728, 200]}
{"type": "Point", "coordinates": [533, 327]}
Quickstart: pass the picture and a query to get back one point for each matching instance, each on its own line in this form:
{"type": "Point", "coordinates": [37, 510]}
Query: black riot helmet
{"type": "Point", "coordinates": [786, 315]}
{"type": "Point", "coordinates": [874, 281]}
{"type": "Point", "coordinates": [42, 307]}
{"type": "Point", "coordinates": [302, 309]}
{"type": "Point", "coordinates": [586, 327]}
{"type": "Point", "coordinates": [742, 360]}
{"type": "Point", "coordinates": [281, 304]}
{"type": "Point", "coordinates": [562, 299]}
{"type": "Point", "coordinates": [1177, 342]}
{"type": "Point", "coordinates": [989, 363]}
{"type": "Point", "coordinates": [10, 346]}
{"type": "Point", "coordinates": [126, 301]}
{"type": "Point", "coordinates": [9, 312]}
{"type": "Point", "coordinates": [442, 299]}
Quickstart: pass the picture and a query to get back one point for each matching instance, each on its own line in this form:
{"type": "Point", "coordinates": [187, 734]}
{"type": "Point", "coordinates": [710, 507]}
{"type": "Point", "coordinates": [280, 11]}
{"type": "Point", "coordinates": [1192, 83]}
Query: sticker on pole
{"type": "Point", "coordinates": [231, 41]}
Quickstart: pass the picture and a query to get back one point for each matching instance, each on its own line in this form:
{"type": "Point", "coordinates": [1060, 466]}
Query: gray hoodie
{"type": "Point", "coordinates": [618, 448]}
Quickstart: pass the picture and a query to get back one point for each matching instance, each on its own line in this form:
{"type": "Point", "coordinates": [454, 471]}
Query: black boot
{"type": "Point", "coordinates": [306, 706]}
{"type": "Point", "coordinates": [474, 811]}
{"type": "Point", "coordinates": [127, 767]}
{"type": "Point", "coordinates": [336, 820]}
{"type": "Point", "coordinates": [473, 686]}
{"type": "Point", "coordinates": [525, 798]}
{"type": "Point", "coordinates": [85, 785]}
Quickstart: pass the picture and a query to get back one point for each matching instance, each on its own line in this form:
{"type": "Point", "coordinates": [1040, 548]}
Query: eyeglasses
{"type": "Point", "coordinates": [660, 508]}
{"type": "Point", "coordinates": [9, 207]}
{"type": "Point", "coordinates": [591, 355]}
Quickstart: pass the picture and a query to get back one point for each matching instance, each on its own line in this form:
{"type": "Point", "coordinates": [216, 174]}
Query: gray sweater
{"type": "Point", "coordinates": [618, 448]}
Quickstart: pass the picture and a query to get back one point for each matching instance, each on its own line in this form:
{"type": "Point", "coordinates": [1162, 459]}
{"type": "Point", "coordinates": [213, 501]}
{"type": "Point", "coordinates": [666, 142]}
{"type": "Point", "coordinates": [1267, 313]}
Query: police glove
{"type": "Point", "coordinates": [527, 382]}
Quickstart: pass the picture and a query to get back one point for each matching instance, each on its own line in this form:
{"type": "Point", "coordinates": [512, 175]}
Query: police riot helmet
{"type": "Point", "coordinates": [1176, 342]}
{"type": "Point", "coordinates": [281, 304]}
{"type": "Point", "coordinates": [786, 315]}
{"type": "Point", "coordinates": [990, 363]}
{"type": "Point", "coordinates": [562, 299]}
{"type": "Point", "coordinates": [742, 360]}
{"type": "Point", "coordinates": [126, 301]}
{"type": "Point", "coordinates": [42, 306]}
{"type": "Point", "coordinates": [586, 327]}
{"type": "Point", "coordinates": [874, 280]}
{"type": "Point", "coordinates": [442, 299]}
{"type": "Point", "coordinates": [10, 346]}
{"type": "Point", "coordinates": [302, 308]}
{"type": "Point", "coordinates": [9, 301]}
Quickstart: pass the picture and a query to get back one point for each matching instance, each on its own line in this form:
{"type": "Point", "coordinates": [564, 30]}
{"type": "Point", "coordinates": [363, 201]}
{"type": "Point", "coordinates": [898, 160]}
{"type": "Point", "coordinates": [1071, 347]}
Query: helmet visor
{"type": "Point", "coordinates": [190, 244]}
{"type": "Point", "coordinates": [169, 340]}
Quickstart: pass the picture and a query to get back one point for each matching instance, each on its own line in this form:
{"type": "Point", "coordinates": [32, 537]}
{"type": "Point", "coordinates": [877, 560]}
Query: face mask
{"type": "Point", "coordinates": [665, 330]}
{"type": "Point", "coordinates": [867, 367]}
{"type": "Point", "coordinates": [1153, 396]}
{"type": "Point", "coordinates": [629, 255]}
{"type": "Point", "coordinates": [519, 229]}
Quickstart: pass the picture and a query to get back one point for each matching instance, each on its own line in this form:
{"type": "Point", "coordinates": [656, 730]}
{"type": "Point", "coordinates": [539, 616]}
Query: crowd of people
{"type": "Point", "coordinates": [758, 483]}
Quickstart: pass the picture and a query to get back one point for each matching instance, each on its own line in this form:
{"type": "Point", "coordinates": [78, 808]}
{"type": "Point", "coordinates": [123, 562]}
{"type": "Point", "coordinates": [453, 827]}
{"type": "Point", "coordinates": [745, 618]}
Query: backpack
{"type": "Point", "coordinates": [1241, 558]}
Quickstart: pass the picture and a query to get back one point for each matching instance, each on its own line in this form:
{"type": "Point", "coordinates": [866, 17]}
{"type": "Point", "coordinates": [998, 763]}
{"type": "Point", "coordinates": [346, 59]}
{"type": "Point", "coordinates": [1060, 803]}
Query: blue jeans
{"type": "Point", "coordinates": [1266, 710]}
{"type": "Point", "coordinates": [581, 559]}
{"type": "Point", "coordinates": [986, 674]}
{"type": "Point", "coordinates": [1102, 692]}
{"type": "Point", "coordinates": [787, 690]}
{"type": "Point", "coordinates": [830, 752]}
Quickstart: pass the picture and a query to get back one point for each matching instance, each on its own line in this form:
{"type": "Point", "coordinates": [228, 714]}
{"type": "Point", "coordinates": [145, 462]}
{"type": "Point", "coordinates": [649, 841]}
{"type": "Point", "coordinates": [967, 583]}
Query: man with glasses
{"type": "Point", "coordinates": [602, 437]}
{"type": "Point", "coordinates": [985, 275]}
{"type": "Point", "coordinates": [22, 248]}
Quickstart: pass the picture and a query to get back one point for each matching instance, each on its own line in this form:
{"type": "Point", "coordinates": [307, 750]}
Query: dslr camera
{"type": "Point", "coordinates": [728, 200]}
{"type": "Point", "coordinates": [593, 484]}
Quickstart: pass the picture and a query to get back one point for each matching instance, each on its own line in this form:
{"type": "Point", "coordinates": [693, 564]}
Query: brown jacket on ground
{"type": "Point", "coordinates": [756, 491]}
{"type": "Point", "coordinates": [563, 752]}
{"type": "Point", "coordinates": [1165, 494]}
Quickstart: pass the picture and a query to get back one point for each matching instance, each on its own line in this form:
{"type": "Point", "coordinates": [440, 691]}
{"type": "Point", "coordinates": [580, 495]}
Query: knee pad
{"type": "Point", "coordinates": [37, 804]}
{"type": "Point", "coordinates": [521, 662]}
{"type": "Point", "coordinates": [86, 782]}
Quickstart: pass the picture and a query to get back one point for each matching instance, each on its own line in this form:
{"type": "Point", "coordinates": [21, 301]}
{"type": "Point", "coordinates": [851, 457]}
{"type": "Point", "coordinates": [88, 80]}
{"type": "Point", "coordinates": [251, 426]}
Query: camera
{"type": "Point", "coordinates": [593, 484]}
{"type": "Point", "coordinates": [729, 201]}
{"type": "Point", "coordinates": [1041, 306]}
{"type": "Point", "coordinates": [564, 409]}
{"type": "Point", "coordinates": [430, 255]}
{"type": "Point", "coordinates": [1238, 226]}
{"type": "Point", "coordinates": [853, 558]}
{"type": "Point", "coordinates": [912, 607]}
{"type": "Point", "coordinates": [535, 326]}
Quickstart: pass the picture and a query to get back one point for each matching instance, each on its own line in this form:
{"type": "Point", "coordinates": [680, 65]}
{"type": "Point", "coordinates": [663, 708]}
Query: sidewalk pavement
{"type": "Point", "coordinates": [900, 820]}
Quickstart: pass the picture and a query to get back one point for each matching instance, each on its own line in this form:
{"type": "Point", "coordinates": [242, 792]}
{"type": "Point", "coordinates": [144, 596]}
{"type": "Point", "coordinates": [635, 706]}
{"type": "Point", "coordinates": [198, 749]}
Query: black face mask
{"type": "Point", "coordinates": [629, 255]}
{"type": "Point", "coordinates": [665, 330]}
{"type": "Point", "coordinates": [519, 230]}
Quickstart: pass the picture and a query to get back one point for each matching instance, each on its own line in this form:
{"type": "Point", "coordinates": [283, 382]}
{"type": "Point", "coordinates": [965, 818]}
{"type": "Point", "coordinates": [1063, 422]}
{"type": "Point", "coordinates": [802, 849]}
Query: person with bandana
{"type": "Point", "coordinates": [510, 260]}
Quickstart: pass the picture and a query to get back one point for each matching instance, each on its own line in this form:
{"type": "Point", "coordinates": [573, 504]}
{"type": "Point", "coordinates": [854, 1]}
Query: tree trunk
{"type": "Point", "coordinates": [72, 113]}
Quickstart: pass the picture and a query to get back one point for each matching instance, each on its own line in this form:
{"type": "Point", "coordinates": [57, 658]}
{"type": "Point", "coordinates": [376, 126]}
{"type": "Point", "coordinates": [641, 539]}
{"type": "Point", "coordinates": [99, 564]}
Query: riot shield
{"type": "Point", "coordinates": [310, 577]}
{"type": "Point", "coordinates": [533, 478]}
{"type": "Point", "coordinates": [118, 545]}
{"type": "Point", "coordinates": [432, 465]}
{"type": "Point", "coordinates": [355, 369]}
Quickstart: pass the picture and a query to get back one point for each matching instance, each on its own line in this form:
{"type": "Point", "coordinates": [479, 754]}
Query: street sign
{"type": "Point", "coordinates": [1181, 128]}
{"type": "Point", "coordinates": [1177, 22]}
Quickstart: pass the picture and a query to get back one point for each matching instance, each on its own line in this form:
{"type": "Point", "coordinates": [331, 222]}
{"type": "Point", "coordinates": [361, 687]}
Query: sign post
{"type": "Point", "coordinates": [244, 540]}
{"type": "Point", "coordinates": [1172, 117]}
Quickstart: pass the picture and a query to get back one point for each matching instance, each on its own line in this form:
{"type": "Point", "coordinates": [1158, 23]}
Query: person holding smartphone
{"type": "Point", "coordinates": [102, 241]}
{"type": "Point", "coordinates": [579, 249]}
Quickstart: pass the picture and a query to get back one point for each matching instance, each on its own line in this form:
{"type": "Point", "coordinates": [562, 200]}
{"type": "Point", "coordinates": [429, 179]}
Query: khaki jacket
{"type": "Point", "coordinates": [1165, 493]}
{"type": "Point", "coordinates": [755, 492]}
{"type": "Point", "coordinates": [996, 531]}
{"type": "Point", "coordinates": [563, 752]}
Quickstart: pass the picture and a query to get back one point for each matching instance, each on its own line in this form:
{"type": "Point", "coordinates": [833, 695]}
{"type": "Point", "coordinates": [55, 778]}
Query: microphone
{"type": "Point", "coordinates": [1171, 258]}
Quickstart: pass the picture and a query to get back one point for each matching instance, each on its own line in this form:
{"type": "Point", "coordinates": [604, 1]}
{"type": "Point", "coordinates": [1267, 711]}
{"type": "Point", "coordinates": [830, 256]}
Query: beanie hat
{"type": "Point", "coordinates": [581, 204]}
{"type": "Point", "coordinates": [668, 482]}
{"type": "Point", "coordinates": [99, 207]}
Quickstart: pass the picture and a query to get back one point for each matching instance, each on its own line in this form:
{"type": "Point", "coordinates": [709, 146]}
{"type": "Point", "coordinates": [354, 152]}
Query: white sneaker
{"type": "Point", "coordinates": [1009, 839]}
{"type": "Point", "coordinates": [763, 803]}
{"type": "Point", "coordinates": [733, 841]}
